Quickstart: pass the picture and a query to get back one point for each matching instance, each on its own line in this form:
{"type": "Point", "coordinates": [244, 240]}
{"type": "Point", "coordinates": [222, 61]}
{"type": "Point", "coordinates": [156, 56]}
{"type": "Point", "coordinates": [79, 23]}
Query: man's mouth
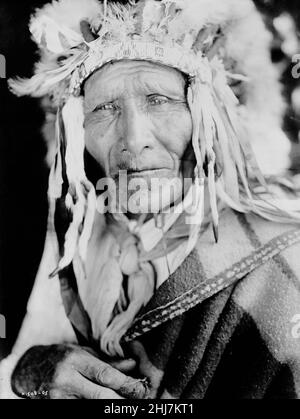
{"type": "Point", "coordinates": [145, 172]}
{"type": "Point", "coordinates": [134, 173]}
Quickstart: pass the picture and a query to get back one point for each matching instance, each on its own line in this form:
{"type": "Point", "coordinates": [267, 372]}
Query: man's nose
{"type": "Point", "coordinates": [136, 136]}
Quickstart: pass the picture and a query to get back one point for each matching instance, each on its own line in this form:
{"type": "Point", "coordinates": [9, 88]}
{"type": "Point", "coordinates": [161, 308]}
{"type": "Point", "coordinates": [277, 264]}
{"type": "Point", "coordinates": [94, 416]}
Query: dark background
{"type": "Point", "coordinates": [23, 173]}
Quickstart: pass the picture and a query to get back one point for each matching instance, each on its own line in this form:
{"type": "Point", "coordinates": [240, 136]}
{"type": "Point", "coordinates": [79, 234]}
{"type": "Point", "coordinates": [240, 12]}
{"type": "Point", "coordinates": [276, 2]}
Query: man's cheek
{"type": "Point", "coordinates": [176, 133]}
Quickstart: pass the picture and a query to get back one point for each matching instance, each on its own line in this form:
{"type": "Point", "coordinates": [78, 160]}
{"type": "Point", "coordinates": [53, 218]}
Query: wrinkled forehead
{"type": "Point", "coordinates": [112, 78]}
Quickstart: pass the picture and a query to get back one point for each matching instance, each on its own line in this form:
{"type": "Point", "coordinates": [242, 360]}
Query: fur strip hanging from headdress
{"type": "Point", "coordinates": [81, 197]}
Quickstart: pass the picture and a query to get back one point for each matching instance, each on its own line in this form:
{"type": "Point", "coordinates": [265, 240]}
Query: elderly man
{"type": "Point", "coordinates": [143, 301]}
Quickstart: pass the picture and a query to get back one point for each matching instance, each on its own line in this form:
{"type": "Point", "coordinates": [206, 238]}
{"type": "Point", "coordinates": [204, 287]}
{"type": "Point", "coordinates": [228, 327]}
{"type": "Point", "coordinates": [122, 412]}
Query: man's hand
{"type": "Point", "coordinates": [70, 372]}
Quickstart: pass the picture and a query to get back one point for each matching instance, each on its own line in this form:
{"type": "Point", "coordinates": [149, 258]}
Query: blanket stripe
{"type": "Point", "coordinates": [208, 288]}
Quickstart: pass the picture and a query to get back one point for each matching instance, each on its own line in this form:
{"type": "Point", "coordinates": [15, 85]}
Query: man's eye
{"type": "Point", "coordinates": [106, 107]}
{"type": "Point", "coordinates": [158, 100]}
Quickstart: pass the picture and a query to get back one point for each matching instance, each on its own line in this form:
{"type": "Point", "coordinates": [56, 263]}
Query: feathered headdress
{"type": "Point", "coordinates": [233, 93]}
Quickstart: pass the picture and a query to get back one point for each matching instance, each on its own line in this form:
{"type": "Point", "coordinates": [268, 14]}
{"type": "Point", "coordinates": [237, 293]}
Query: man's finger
{"type": "Point", "coordinates": [91, 391]}
{"type": "Point", "coordinates": [125, 365]}
{"type": "Point", "coordinates": [107, 376]}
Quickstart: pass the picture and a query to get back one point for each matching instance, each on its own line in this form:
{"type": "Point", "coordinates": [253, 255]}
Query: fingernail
{"type": "Point", "coordinates": [136, 389]}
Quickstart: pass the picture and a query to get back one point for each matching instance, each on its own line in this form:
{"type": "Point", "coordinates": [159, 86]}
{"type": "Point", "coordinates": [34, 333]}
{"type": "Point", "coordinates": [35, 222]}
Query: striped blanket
{"type": "Point", "coordinates": [225, 325]}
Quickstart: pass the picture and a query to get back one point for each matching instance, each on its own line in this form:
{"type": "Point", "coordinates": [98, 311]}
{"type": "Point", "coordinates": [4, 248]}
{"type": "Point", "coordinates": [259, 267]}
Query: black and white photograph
{"type": "Point", "coordinates": [150, 202]}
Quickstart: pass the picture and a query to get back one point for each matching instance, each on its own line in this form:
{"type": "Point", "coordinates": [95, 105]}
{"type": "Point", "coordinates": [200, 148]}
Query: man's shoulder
{"type": "Point", "coordinates": [247, 242]}
{"type": "Point", "coordinates": [270, 292]}
{"type": "Point", "coordinates": [263, 259]}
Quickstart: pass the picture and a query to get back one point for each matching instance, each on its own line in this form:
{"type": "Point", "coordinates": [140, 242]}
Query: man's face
{"type": "Point", "coordinates": [137, 120]}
